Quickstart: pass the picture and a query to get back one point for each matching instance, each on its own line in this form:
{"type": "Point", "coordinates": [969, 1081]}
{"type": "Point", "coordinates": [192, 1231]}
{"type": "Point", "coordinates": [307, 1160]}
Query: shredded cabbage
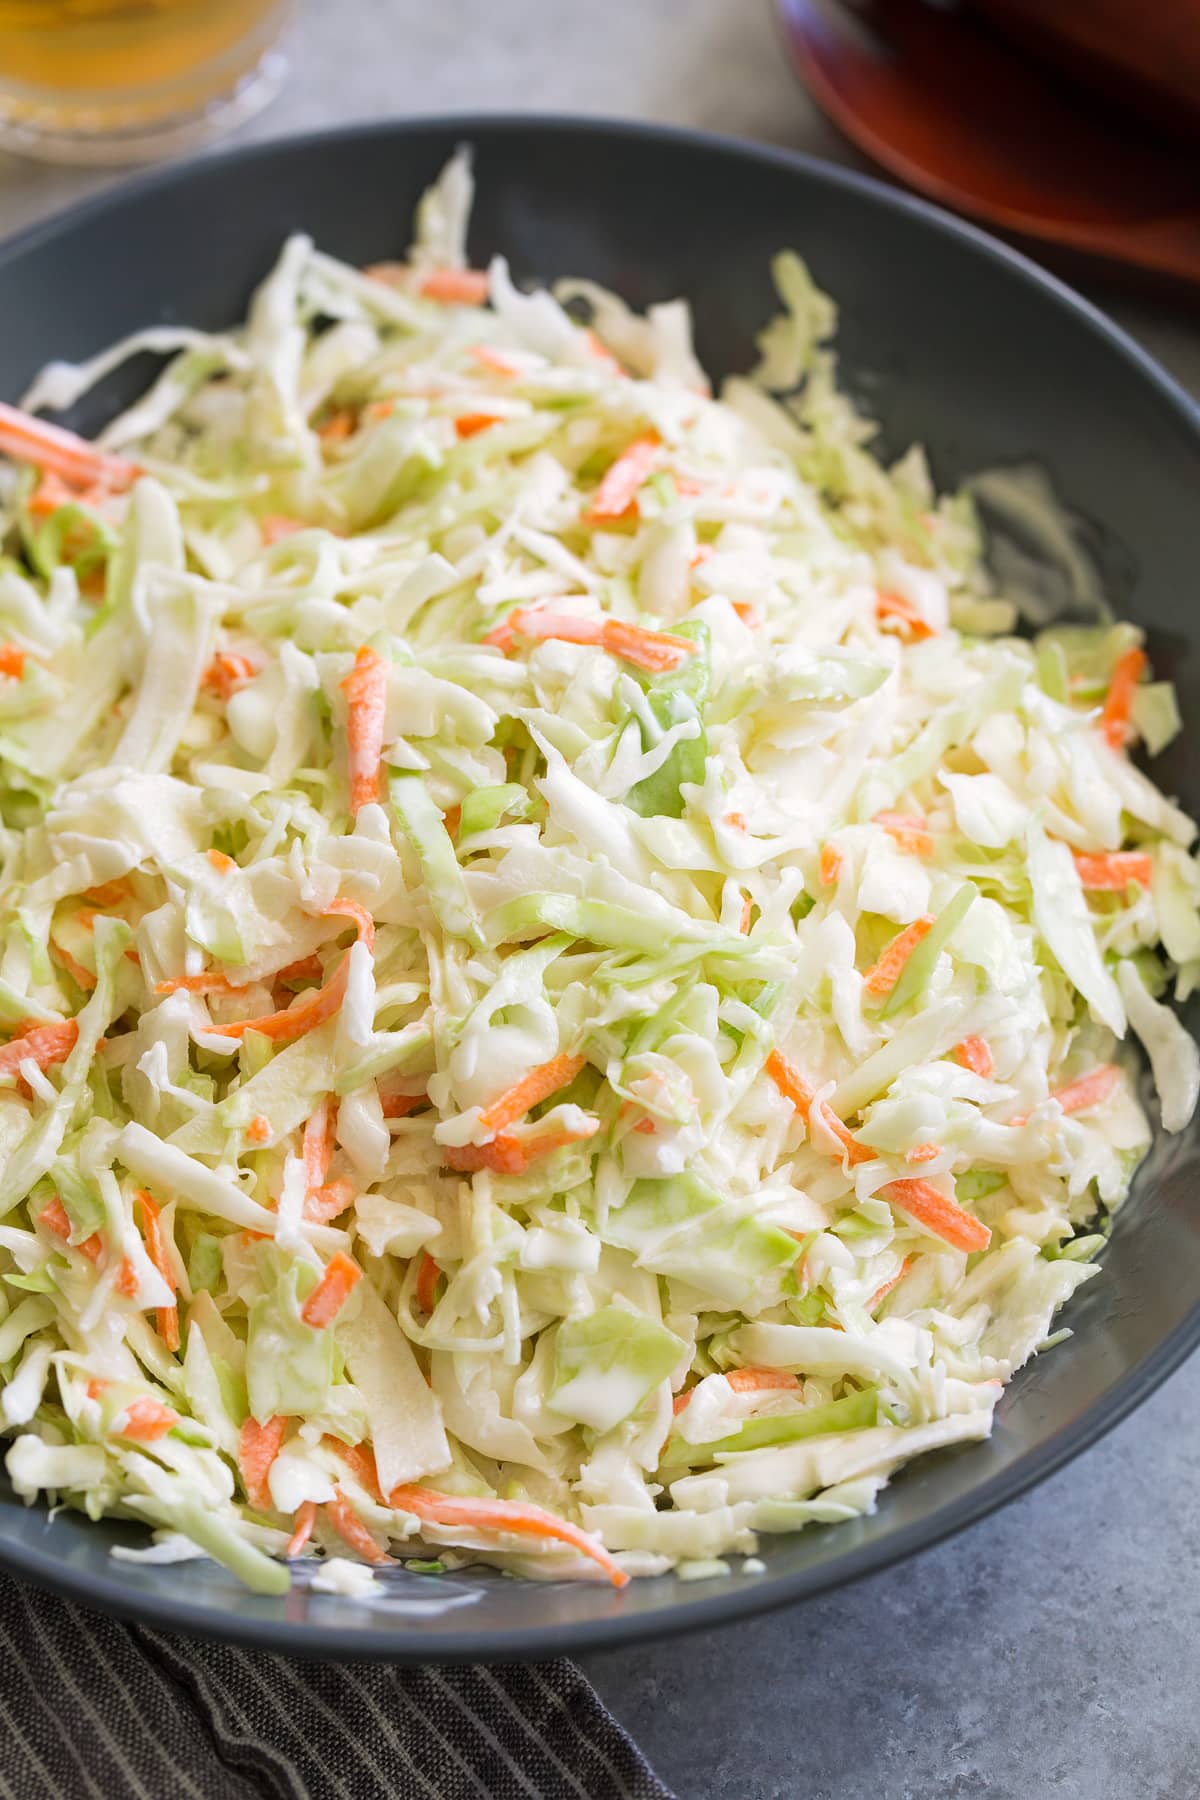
{"type": "Point", "coordinates": [563, 971]}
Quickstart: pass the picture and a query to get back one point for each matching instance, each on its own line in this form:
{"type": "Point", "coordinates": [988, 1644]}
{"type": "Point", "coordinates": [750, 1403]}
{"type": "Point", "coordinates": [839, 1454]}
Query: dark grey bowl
{"type": "Point", "coordinates": [950, 339]}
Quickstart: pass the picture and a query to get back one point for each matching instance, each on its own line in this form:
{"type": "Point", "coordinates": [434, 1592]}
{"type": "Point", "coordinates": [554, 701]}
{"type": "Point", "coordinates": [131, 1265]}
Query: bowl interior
{"type": "Point", "coordinates": [947, 339]}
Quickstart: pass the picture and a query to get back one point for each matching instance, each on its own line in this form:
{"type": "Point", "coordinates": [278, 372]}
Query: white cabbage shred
{"type": "Point", "coordinates": [724, 1086]}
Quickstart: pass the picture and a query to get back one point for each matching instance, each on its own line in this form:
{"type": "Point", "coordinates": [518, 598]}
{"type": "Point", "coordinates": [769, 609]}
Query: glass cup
{"type": "Point", "coordinates": [121, 81]}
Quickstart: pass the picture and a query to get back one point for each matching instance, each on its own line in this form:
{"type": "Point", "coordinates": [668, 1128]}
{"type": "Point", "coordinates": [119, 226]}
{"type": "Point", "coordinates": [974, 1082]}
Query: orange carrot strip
{"type": "Point", "coordinates": [337, 428]}
{"type": "Point", "coordinates": [360, 1460]}
{"type": "Point", "coordinates": [887, 971]}
{"type": "Point", "coordinates": [492, 360]}
{"type": "Point", "coordinates": [307, 968]}
{"type": "Point", "coordinates": [42, 1044]}
{"type": "Point", "coordinates": [512, 1517]}
{"type": "Point", "coordinates": [166, 1317]}
{"type": "Point", "coordinates": [305, 1519]}
{"type": "Point", "coordinates": [276, 526]}
{"type": "Point", "coordinates": [208, 983]}
{"type": "Point", "coordinates": [50, 493]}
{"type": "Point", "coordinates": [258, 1131]}
{"type": "Point", "coordinates": [973, 1053]}
{"type": "Point", "coordinates": [830, 865]}
{"type": "Point", "coordinates": [397, 1105]}
{"type": "Point", "coordinates": [258, 1446]}
{"type": "Point", "coordinates": [336, 1285]}
{"type": "Point", "coordinates": [737, 820]}
{"type": "Point", "coordinates": [538, 1085]}
{"type": "Point", "coordinates": [616, 496]}
{"type": "Point", "coordinates": [12, 661]}
{"type": "Point", "coordinates": [922, 1153]}
{"type": "Point", "coordinates": [110, 893]}
{"type": "Point", "coordinates": [145, 1420]}
{"type": "Point", "coordinates": [747, 915]}
{"type": "Point", "coordinates": [427, 1280]}
{"type": "Point", "coordinates": [459, 287]}
{"type": "Point", "coordinates": [226, 673]}
{"type": "Point", "coordinates": [469, 425]}
{"type": "Point", "coordinates": [750, 1381]}
{"type": "Point", "coordinates": [931, 1209]}
{"type": "Point", "coordinates": [681, 1400]}
{"type": "Point", "coordinates": [907, 830]}
{"type": "Point", "coordinates": [127, 1281]}
{"type": "Point", "coordinates": [328, 1201]}
{"type": "Point", "coordinates": [1118, 703]}
{"type": "Point", "coordinates": [891, 607]}
{"type": "Point", "coordinates": [793, 1087]}
{"type": "Point", "coordinates": [55, 1218]}
{"type": "Point", "coordinates": [1088, 1090]}
{"type": "Point", "coordinates": [350, 909]}
{"type": "Point", "coordinates": [365, 688]}
{"type": "Point", "coordinates": [886, 1287]}
{"type": "Point", "coordinates": [220, 862]}
{"type": "Point", "coordinates": [511, 1155]}
{"type": "Point", "coordinates": [305, 1015]}
{"type": "Point", "coordinates": [1116, 870]}
{"type": "Point", "coordinates": [351, 1530]}
{"type": "Point", "coordinates": [657, 651]}
{"type": "Point", "coordinates": [81, 976]}
{"type": "Point", "coordinates": [49, 447]}
{"type": "Point", "coordinates": [317, 1145]}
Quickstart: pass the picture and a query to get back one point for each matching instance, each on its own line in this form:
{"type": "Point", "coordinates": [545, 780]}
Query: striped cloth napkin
{"type": "Point", "coordinates": [94, 1706]}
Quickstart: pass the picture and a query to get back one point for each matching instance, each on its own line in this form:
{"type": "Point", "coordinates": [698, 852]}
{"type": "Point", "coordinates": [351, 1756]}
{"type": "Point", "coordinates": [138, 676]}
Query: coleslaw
{"type": "Point", "coordinates": [567, 975]}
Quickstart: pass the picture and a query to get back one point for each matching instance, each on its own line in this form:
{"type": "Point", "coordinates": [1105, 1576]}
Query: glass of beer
{"type": "Point", "coordinates": [118, 81]}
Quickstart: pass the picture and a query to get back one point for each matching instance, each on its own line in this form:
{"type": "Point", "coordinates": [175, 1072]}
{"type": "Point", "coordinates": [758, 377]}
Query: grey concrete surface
{"type": "Point", "coordinates": [1053, 1651]}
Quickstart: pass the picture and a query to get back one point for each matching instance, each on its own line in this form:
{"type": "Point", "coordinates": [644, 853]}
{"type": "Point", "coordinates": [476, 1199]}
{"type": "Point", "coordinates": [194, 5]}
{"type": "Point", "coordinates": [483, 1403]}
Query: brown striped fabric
{"type": "Point", "coordinates": [93, 1706]}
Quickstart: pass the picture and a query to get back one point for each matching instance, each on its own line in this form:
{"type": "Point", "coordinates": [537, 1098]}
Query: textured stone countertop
{"type": "Point", "coordinates": [1053, 1651]}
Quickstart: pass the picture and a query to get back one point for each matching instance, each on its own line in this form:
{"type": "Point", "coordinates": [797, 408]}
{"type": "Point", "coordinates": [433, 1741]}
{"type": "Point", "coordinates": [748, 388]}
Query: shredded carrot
{"type": "Point", "coordinates": [305, 1518]}
{"type": "Point", "coordinates": [1116, 871]}
{"type": "Point", "coordinates": [42, 1044]}
{"type": "Point", "coordinates": [360, 1460]}
{"type": "Point", "coordinates": [944, 1218]}
{"type": "Point", "coordinates": [258, 1446]}
{"type": "Point", "coordinates": [81, 976]}
{"type": "Point", "coordinates": [452, 819]}
{"type": "Point", "coordinates": [379, 409]}
{"type": "Point", "coordinates": [427, 1280]}
{"type": "Point", "coordinates": [55, 1218]}
{"type": "Point", "coordinates": [681, 1400]}
{"type": "Point", "coordinates": [750, 618]}
{"type": "Point", "coordinates": [226, 673]}
{"type": "Point", "coordinates": [364, 924]}
{"type": "Point", "coordinates": [97, 1386]}
{"type": "Point", "coordinates": [220, 862]}
{"type": "Point", "coordinates": [460, 287]}
{"type": "Point", "coordinates": [830, 865]}
{"type": "Point", "coordinates": [974, 1054]}
{"type": "Point", "coordinates": [923, 1153]}
{"type": "Point", "coordinates": [750, 1381]}
{"type": "Point", "coordinates": [50, 493]}
{"type": "Point", "coordinates": [321, 1204]}
{"type": "Point", "coordinates": [492, 359]}
{"type": "Point", "coordinates": [321, 1003]}
{"type": "Point", "coordinates": [907, 830]}
{"type": "Point", "coordinates": [166, 1317]}
{"type": "Point", "coordinates": [61, 453]}
{"type": "Point", "coordinates": [793, 1087]}
{"type": "Point", "coordinates": [747, 915]}
{"type": "Point", "coordinates": [145, 1420]}
{"type": "Point", "coordinates": [616, 496]}
{"type": "Point", "coordinates": [1088, 1090]}
{"type": "Point", "coordinates": [12, 661]}
{"type": "Point", "coordinates": [307, 968]}
{"type": "Point", "coordinates": [737, 820]}
{"type": "Point", "coordinates": [887, 971]}
{"type": "Point", "coordinates": [276, 526]}
{"type": "Point", "coordinates": [337, 428]}
{"type": "Point", "coordinates": [511, 1155]}
{"type": "Point", "coordinates": [210, 982]}
{"type": "Point", "coordinates": [536, 1086]}
{"type": "Point", "coordinates": [336, 1285]}
{"type": "Point", "coordinates": [365, 688]}
{"type": "Point", "coordinates": [891, 608]}
{"type": "Point", "coordinates": [351, 1530]}
{"type": "Point", "coordinates": [1118, 703]}
{"type": "Point", "coordinates": [127, 1281]}
{"type": "Point", "coordinates": [317, 1145]}
{"type": "Point", "coordinates": [110, 893]}
{"type": "Point", "coordinates": [397, 1105]}
{"type": "Point", "coordinates": [469, 425]}
{"type": "Point", "coordinates": [512, 1517]}
{"type": "Point", "coordinates": [258, 1131]}
{"type": "Point", "coordinates": [657, 651]}
{"type": "Point", "coordinates": [886, 1287]}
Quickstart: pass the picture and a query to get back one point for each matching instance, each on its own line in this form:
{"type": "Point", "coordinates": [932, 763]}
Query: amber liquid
{"type": "Point", "coordinates": [120, 65]}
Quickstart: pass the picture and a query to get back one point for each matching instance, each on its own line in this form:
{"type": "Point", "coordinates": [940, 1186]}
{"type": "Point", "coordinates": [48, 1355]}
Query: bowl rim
{"type": "Point", "coordinates": [758, 1594]}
